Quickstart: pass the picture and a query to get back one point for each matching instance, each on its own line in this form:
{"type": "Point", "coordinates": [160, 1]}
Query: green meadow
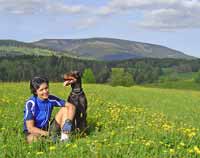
{"type": "Point", "coordinates": [139, 122]}
{"type": "Point", "coordinates": [182, 85]}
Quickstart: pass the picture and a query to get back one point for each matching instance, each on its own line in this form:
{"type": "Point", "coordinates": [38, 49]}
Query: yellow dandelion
{"type": "Point", "coordinates": [197, 150]}
{"type": "Point", "coordinates": [171, 151]}
{"type": "Point", "coordinates": [113, 133]}
{"type": "Point", "coordinates": [67, 145]}
{"type": "Point", "coordinates": [75, 146]}
{"type": "Point", "coordinates": [166, 127]}
{"type": "Point", "coordinates": [147, 143]}
{"type": "Point", "coordinates": [165, 151]}
{"type": "Point", "coordinates": [192, 134]}
{"type": "Point", "coordinates": [190, 151]}
{"type": "Point", "coordinates": [39, 153]}
{"type": "Point", "coordinates": [3, 129]}
{"type": "Point", "coordinates": [117, 144]}
{"type": "Point", "coordinates": [182, 144]}
{"type": "Point", "coordinates": [52, 148]}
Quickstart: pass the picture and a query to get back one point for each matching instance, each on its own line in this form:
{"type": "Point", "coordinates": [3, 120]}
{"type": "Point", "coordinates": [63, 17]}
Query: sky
{"type": "Point", "coordinates": [171, 23]}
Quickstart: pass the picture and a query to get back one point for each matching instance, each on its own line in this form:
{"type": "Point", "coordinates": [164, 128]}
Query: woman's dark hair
{"type": "Point", "coordinates": [36, 82]}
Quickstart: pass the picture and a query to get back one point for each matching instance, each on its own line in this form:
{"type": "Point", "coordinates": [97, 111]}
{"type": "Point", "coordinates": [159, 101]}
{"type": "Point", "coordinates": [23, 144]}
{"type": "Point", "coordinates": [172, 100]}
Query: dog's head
{"type": "Point", "coordinates": [72, 77]}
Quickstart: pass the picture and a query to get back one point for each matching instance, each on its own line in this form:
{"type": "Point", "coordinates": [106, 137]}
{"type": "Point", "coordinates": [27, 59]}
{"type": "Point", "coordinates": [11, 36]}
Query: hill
{"type": "Point", "coordinates": [110, 49]}
{"type": "Point", "coordinates": [13, 48]}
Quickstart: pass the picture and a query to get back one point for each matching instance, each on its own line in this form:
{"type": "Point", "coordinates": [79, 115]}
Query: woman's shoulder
{"type": "Point", "coordinates": [31, 100]}
{"type": "Point", "coordinates": [53, 97]}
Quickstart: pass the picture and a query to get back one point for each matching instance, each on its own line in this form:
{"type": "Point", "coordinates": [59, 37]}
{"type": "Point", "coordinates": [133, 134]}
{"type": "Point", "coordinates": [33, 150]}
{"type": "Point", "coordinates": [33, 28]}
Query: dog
{"type": "Point", "coordinates": [78, 98]}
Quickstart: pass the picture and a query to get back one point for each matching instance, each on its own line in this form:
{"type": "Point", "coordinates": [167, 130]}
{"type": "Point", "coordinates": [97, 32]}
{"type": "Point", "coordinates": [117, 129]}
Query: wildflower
{"type": "Point", "coordinates": [196, 149]}
{"type": "Point", "coordinates": [113, 133]}
{"type": "Point", "coordinates": [182, 144]}
{"type": "Point", "coordinates": [30, 146]}
{"type": "Point", "coordinates": [166, 127]}
{"type": "Point", "coordinates": [147, 143]}
{"type": "Point", "coordinates": [117, 144]}
{"type": "Point", "coordinates": [165, 151]}
{"type": "Point", "coordinates": [192, 134]}
{"type": "Point", "coordinates": [52, 148]}
{"type": "Point", "coordinates": [171, 151]}
{"type": "Point", "coordinates": [190, 150]}
{"type": "Point", "coordinates": [130, 127]}
{"type": "Point", "coordinates": [39, 153]}
{"type": "Point", "coordinates": [3, 128]}
{"type": "Point", "coordinates": [105, 140]}
{"type": "Point", "coordinates": [67, 145]}
{"type": "Point", "coordinates": [75, 146]}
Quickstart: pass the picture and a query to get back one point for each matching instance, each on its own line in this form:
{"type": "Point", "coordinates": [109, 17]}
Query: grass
{"type": "Point", "coordinates": [180, 84]}
{"type": "Point", "coordinates": [123, 122]}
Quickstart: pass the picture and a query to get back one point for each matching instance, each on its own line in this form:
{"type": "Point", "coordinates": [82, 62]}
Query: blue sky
{"type": "Point", "coordinates": [171, 23]}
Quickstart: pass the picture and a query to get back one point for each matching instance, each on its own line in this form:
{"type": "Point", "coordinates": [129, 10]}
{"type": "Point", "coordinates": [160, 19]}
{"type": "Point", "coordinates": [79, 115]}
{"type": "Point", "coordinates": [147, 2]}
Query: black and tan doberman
{"type": "Point", "coordinates": [78, 98]}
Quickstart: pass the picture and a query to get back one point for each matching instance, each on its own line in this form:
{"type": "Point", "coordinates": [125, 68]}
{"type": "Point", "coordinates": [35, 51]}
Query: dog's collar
{"type": "Point", "coordinates": [77, 90]}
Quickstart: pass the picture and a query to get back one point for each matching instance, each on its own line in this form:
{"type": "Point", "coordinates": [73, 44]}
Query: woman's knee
{"type": "Point", "coordinates": [60, 113]}
{"type": "Point", "coordinates": [71, 107]}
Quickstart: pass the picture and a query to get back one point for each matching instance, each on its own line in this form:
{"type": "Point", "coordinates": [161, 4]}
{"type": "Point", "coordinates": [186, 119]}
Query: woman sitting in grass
{"type": "Point", "coordinates": [38, 109]}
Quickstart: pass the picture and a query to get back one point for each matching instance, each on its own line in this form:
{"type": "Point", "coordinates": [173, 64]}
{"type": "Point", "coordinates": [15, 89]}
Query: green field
{"type": "Point", "coordinates": [139, 122]}
{"type": "Point", "coordinates": [180, 84]}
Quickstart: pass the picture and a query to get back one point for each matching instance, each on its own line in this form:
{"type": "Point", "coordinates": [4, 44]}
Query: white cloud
{"type": "Point", "coordinates": [66, 9]}
{"type": "Point", "coordinates": [39, 6]}
{"type": "Point", "coordinates": [184, 15]}
{"type": "Point", "coordinates": [21, 6]}
{"type": "Point", "coordinates": [115, 6]}
{"type": "Point", "coordinates": [170, 19]}
{"type": "Point", "coordinates": [158, 14]}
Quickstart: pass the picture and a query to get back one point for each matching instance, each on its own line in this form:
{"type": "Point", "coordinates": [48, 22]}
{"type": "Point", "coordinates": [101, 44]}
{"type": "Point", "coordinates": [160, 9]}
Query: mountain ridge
{"type": "Point", "coordinates": [111, 49]}
{"type": "Point", "coordinates": [103, 49]}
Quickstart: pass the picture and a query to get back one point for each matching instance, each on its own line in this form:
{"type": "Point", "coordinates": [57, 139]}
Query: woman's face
{"type": "Point", "coordinates": [43, 91]}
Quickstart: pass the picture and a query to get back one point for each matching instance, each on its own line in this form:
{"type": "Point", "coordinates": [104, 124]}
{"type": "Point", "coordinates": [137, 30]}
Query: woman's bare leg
{"type": "Point", "coordinates": [65, 113]}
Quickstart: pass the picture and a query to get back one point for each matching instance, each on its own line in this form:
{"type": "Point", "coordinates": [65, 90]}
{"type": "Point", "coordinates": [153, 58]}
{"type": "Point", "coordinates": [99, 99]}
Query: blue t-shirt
{"type": "Point", "coordinates": [40, 110]}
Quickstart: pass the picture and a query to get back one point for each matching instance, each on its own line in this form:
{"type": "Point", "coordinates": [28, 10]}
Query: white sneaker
{"type": "Point", "coordinates": [64, 137]}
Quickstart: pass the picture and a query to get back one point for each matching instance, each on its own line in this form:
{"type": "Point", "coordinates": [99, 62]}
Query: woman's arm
{"type": "Point", "coordinates": [34, 130]}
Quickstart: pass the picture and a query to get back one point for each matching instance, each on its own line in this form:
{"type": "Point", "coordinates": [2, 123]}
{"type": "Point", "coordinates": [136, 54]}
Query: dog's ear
{"type": "Point", "coordinates": [77, 74]}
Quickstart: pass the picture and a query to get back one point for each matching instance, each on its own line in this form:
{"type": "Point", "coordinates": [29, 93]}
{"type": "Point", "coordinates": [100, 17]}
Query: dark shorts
{"type": "Point", "coordinates": [53, 128]}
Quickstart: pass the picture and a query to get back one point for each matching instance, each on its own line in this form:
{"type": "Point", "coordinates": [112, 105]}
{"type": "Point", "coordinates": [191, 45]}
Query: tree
{"type": "Point", "coordinates": [146, 73]}
{"type": "Point", "coordinates": [88, 76]}
{"type": "Point", "coordinates": [197, 77]}
{"type": "Point", "coordinates": [121, 78]}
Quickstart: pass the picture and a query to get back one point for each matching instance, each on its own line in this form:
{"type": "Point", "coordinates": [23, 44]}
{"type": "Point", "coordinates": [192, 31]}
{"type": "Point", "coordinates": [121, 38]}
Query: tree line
{"type": "Point", "coordinates": [23, 68]}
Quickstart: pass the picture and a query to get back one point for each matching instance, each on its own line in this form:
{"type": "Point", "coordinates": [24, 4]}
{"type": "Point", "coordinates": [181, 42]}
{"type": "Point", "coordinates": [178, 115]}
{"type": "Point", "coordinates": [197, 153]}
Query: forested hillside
{"type": "Point", "coordinates": [22, 68]}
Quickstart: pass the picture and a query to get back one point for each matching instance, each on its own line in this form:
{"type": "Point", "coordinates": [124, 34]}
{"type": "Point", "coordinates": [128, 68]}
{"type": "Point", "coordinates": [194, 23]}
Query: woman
{"type": "Point", "coordinates": [38, 109]}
